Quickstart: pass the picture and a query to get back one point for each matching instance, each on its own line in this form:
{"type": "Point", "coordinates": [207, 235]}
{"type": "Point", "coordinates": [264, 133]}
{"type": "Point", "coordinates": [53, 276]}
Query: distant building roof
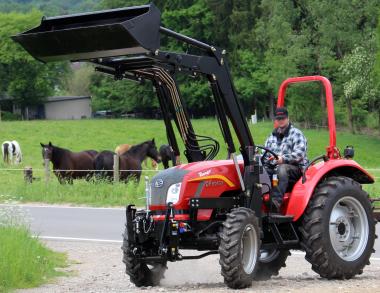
{"type": "Point", "coordinates": [67, 98]}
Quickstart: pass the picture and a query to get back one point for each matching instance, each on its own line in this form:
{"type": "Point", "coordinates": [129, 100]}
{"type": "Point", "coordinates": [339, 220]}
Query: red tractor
{"type": "Point", "coordinates": [217, 206]}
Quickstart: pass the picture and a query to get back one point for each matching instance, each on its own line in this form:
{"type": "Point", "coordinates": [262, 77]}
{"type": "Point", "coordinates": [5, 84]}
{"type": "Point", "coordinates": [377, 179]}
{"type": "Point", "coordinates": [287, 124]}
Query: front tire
{"type": "Point", "coordinates": [239, 248]}
{"type": "Point", "coordinates": [141, 274]}
{"type": "Point", "coordinates": [338, 229]}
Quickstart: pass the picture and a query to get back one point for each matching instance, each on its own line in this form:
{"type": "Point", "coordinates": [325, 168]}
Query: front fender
{"type": "Point", "coordinates": [301, 193]}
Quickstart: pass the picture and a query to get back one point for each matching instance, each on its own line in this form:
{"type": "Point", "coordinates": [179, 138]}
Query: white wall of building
{"type": "Point", "coordinates": [68, 109]}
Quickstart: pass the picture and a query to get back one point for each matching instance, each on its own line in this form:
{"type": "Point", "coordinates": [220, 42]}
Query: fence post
{"type": "Point", "coordinates": [28, 174]}
{"type": "Point", "coordinates": [47, 170]}
{"type": "Point", "coordinates": [116, 174]}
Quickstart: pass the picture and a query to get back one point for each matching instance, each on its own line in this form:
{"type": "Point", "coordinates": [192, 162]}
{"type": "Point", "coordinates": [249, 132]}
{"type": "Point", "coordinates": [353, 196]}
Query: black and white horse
{"type": "Point", "coordinates": [11, 152]}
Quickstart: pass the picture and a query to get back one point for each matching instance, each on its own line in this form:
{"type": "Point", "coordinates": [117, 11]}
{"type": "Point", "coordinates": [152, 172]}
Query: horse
{"type": "Point", "coordinates": [64, 161]}
{"type": "Point", "coordinates": [92, 153]}
{"type": "Point", "coordinates": [11, 152]}
{"type": "Point", "coordinates": [130, 160]}
{"type": "Point", "coordinates": [123, 148]}
{"type": "Point", "coordinates": [167, 154]}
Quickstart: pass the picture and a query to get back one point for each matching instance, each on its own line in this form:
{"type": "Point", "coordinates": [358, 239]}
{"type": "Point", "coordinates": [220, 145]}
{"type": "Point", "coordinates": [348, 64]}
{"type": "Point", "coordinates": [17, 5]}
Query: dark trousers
{"type": "Point", "coordinates": [287, 176]}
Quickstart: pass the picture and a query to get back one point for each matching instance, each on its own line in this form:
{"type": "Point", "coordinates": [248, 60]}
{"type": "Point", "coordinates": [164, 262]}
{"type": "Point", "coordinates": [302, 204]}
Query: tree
{"type": "Point", "coordinates": [334, 29]}
{"type": "Point", "coordinates": [78, 81]}
{"type": "Point", "coordinates": [356, 71]}
{"type": "Point", "coordinates": [187, 17]}
{"type": "Point", "coordinates": [375, 101]}
{"type": "Point", "coordinates": [110, 4]}
{"type": "Point", "coordinates": [48, 7]}
{"type": "Point", "coordinates": [121, 96]}
{"type": "Point", "coordinates": [270, 40]}
{"type": "Point", "coordinates": [28, 81]}
{"type": "Point", "coordinates": [284, 48]}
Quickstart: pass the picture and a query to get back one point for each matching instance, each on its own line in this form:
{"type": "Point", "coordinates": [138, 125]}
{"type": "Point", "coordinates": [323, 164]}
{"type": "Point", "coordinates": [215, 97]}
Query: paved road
{"type": "Point", "coordinates": [91, 224]}
{"type": "Point", "coordinates": [88, 223]}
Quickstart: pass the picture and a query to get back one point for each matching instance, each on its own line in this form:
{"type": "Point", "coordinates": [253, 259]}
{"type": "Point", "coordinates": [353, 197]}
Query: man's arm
{"type": "Point", "coordinates": [299, 149]}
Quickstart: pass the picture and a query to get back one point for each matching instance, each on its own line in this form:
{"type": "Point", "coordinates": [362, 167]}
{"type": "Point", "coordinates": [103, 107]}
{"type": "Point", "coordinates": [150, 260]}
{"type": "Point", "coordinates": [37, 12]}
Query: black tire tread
{"type": "Point", "coordinates": [312, 230]}
{"type": "Point", "coordinates": [229, 248]}
{"type": "Point", "coordinates": [139, 273]}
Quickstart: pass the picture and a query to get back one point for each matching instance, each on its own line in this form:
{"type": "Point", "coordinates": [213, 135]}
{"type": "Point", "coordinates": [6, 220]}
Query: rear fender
{"type": "Point", "coordinates": [301, 193]}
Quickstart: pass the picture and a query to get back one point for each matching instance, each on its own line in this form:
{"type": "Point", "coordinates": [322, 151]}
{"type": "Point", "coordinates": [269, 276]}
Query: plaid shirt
{"type": "Point", "coordinates": [292, 146]}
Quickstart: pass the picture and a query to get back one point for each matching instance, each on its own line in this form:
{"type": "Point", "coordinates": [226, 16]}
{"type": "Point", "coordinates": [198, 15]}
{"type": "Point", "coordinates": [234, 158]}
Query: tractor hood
{"type": "Point", "coordinates": [206, 178]}
{"type": "Point", "coordinates": [109, 33]}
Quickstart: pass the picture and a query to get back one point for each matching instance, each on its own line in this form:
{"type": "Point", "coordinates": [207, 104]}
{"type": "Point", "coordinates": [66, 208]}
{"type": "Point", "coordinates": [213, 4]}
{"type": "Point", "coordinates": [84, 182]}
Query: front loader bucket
{"type": "Point", "coordinates": [110, 33]}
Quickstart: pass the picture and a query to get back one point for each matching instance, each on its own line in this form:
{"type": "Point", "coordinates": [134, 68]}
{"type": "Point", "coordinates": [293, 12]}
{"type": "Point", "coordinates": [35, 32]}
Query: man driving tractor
{"type": "Point", "coordinates": [291, 146]}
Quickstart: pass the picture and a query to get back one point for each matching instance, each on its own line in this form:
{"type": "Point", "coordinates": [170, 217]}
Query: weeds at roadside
{"type": "Point", "coordinates": [24, 261]}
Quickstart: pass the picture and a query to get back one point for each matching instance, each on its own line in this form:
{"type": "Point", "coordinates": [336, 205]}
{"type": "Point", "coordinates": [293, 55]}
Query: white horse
{"type": "Point", "coordinates": [11, 152]}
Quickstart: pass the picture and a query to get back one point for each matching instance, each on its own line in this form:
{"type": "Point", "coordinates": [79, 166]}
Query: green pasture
{"type": "Point", "coordinates": [107, 134]}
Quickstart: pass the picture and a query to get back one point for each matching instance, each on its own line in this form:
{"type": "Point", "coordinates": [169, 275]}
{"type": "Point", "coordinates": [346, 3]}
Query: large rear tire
{"type": "Point", "coordinates": [239, 248]}
{"type": "Point", "coordinates": [141, 274]}
{"type": "Point", "coordinates": [338, 229]}
{"type": "Point", "coordinates": [270, 263]}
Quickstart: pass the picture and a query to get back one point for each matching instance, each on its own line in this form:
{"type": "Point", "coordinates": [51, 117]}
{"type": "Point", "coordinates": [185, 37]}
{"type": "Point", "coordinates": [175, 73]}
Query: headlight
{"type": "Point", "coordinates": [173, 193]}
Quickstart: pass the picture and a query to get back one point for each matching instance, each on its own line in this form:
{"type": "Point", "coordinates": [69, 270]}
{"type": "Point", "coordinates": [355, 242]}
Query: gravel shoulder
{"type": "Point", "coordinates": [97, 267]}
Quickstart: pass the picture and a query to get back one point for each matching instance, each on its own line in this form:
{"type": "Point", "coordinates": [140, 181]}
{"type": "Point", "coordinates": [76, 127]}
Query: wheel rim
{"type": "Point", "coordinates": [349, 228]}
{"type": "Point", "coordinates": [268, 255]}
{"type": "Point", "coordinates": [249, 243]}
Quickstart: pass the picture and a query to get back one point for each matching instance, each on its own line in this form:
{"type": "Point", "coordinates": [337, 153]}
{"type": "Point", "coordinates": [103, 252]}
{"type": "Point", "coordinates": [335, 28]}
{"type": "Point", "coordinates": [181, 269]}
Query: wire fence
{"type": "Point", "coordinates": [29, 171]}
{"type": "Point", "coordinates": [80, 170]}
{"type": "Point", "coordinates": [69, 174]}
{"type": "Point", "coordinates": [308, 126]}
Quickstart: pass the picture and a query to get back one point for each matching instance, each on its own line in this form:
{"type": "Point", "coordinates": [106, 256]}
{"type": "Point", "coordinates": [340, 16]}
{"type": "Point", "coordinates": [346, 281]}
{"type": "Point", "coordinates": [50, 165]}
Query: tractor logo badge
{"type": "Point", "coordinates": [201, 174]}
{"type": "Point", "coordinates": [214, 183]}
{"type": "Point", "coordinates": [159, 183]}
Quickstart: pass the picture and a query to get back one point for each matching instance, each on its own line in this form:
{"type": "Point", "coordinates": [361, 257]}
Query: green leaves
{"type": "Point", "coordinates": [24, 79]}
{"type": "Point", "coordinates": [267, 41]}
{"type": "Point", "coordinates": [11, 24]}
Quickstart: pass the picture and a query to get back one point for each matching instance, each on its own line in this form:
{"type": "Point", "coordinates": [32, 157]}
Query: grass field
{"type": "Point", "coordinates": [107, 134]}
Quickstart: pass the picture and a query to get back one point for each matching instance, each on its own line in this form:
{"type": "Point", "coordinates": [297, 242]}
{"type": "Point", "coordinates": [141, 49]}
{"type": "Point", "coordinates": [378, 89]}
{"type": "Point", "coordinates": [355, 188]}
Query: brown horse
{"type": "Point", "coordinates": [130, 160]}
{"type": "Point", "coordinates": [92, 153]}
{"type": "Point", "coordinates": [68, 165]}
{"type": "Point", "coordinates": [124, 148]}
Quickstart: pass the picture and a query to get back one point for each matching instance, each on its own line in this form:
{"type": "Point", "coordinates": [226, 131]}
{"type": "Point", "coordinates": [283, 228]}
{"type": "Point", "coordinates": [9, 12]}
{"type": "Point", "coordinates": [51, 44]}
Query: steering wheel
{"type": "Point", "coordinates": [266, 150]}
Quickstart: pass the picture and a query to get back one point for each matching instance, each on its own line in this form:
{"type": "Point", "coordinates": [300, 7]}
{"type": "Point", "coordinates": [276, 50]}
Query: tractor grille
{"type": "Point", "coordinates": [161, 183]}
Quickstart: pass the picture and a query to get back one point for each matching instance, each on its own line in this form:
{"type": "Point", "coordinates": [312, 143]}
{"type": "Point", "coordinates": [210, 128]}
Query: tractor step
{"type": "Point", "coordinates": [283, 230]}
{"type": "Point", "coordinates": [278, 218]}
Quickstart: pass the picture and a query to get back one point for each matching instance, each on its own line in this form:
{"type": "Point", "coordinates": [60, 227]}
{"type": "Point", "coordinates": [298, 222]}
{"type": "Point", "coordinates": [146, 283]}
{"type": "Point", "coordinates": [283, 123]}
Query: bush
{"type": "Point", "coordinates": [8, 116]}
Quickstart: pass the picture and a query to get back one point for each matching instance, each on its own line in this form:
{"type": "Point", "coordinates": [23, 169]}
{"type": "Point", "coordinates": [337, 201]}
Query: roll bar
{"type": "Point", "coordinates": [332, 150]}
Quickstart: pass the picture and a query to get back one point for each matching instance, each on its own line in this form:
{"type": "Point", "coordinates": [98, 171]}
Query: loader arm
{"type": "Point", "coordinates": [126, 44]}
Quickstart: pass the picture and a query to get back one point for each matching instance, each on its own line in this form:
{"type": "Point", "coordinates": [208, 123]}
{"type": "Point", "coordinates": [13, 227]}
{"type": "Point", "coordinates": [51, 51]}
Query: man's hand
{"type": "Point", "coordinates": [280, 160]}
